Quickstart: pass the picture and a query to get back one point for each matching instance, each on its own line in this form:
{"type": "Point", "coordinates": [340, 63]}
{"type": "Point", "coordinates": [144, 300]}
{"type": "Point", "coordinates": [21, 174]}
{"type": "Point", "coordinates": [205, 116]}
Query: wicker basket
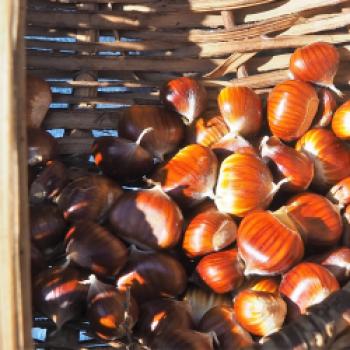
{"type": "Point", "coordinates": [100, 56]}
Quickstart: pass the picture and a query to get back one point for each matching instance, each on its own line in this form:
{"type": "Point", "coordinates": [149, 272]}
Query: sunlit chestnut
{"type": "Point", "coordinates": [38, 100]}
{"type": "Point", "coordinates": [260, 313]}
{"type": "Point", "coordinates": [148, 218]}
{"type": "Point", "coordinates": [207, 129]}
{"type": "Point", "coordinates": [111, 314]}
{"type": "Point", "coordinates": [42, 147]}
{"type": "Point", "coordinates": [207, 232]}
{"type": "Point", "coordinates": [269, 243]}
{"type": "Point", "coordinates": [202, 300]}
{"type": "Point", "coordinates": [291, 108]}
{"type": "Point", "coordinates": [330, 156]}
{"type": "Point", "coordinates": [317, 219]}
{"type": "Point", "coordinates": [336, 261]}
{"type": "Point", "coordinates": [305, 285]}
{"type": "Point", "coordinates": [189, 177]}
{"type": "Point", "coordinates": [221, 271]}
{"type": "Point", "coordinates": [89, 196]}
{"type": "Point", "coordinates": [230, 335]}
{"type": "Point", "coordinates": [49, 182]}
{"type": "Point", "coordinates": [339, 194]}
{"type": "Point", "coordinates": [150, 275]}
{"type": "Point", "coordinates": [241, 109]}
{"type": "Point", "coordinates": [263, 284]}
{"type": "Point", "coordinates": [161, 316]}
{"type": "Point", "coordinates": [121, 159]}
{"type": "Point", "coordinates": [180, 339]}
{"type": "Point", "coordinates": [163, 130]}
{"type": "Point", "coordinates": [59, 294]}
{"type": "Point", "coordinates": [341, 121]}
{"type": "Point", "coordinates": [47, 226]}
{"type": "Point", "coordinates": [232, 143]}
{"type": "Point", "coordinates": [293, 165]}
{"type": "Point", "coordinates": [326, 108]}
{"type": "Point", "coordinates": [186, 96]}
{"type": "Point", "coordinates": [316, 63]}
{"type": "Point", "coordinates": [93, 247]}
{"type": "Point", "coordinates": [244, 184]}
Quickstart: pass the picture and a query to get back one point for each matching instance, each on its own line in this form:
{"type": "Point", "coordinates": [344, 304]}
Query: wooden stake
{"type": "Point", "coordinates": [15, 299]}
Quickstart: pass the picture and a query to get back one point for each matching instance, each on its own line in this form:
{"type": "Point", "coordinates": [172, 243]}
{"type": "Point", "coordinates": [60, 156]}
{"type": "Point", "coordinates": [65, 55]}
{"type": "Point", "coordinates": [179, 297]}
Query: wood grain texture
{"type": "Point", "coordinates": [15, 300]}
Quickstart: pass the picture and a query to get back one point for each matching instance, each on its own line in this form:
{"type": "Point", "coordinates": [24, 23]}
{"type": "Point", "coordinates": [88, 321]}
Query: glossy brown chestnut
{"type": "Point", "coordinates": [38, 100]}
{"type": "Point", "coordinates": [161, 316]}
{"type": "Point", "coordinates": [269, 243]}
{"type": "Point", "coordinates": [307, 284]}
{"type": "Point", "coordinates": [201, 301]}
{"type": "Point", "coordinates": [221, 271]}
{"type": "Point", "coordinates": [260, 313]}
{"type": "Point", "coordinates": [147, 218]}
{"type": "Point", "coordinates": [42, 147]}
{"type": "Point", "coordinates": [165, 130]}
{"type": "Point", "coordinates": [337, 261]}
{"type": "Point", "coordinates": [291, 108]}
{"type": "Point", "coordinates": [207, 129]}
{"type": "Point", "coordinates": [111, 313]}
{"type": "Point", "coordinates": [326, 108]}
{"type": "Point", "coordinates": [189, 177]}
{"type": "Point", "coordinates": [47, 226]}
{"type": "Point", "coordinates": [59, 294]}
{"type": "Point", "coordinates": [150, 275]}
{"type": "Point", "coordinates": [341, 121]}
{"type": "Point", "coordinates": [186, 96]}
{"type": "Point", "coordinates": [121, 159]}
{"type": "Point", "coordinates": [330, 156]}
{"type": "Point", "coordinates": [317, 219]}
{"type": "Point", "coordinates": [232, 143]}
{"type": "Point", "coordinates": [49, 182]}
{"type": "Point", "coordinates": [293, 165]}
{"type": "Point", "coordinates": [180, 339]}
{"type": "Point", "coordinates": [316, 63]}
{"type": "Point", "coordinates": [339, 194]}
{"type": "Point", "coordinates": [263, 284]}
{"type": "Point", "coordinates": [93, 247]}
{"type": "Point", "coordinates": [241, 109]}
{"type": "Point", "coordinates": [229, 333]}
{"type": "Point", "coordinates": [208, 232]}
{"type": "Point", "coordinates": [245, 183]}
{"type": "Point", "coordinates": [89, 196]}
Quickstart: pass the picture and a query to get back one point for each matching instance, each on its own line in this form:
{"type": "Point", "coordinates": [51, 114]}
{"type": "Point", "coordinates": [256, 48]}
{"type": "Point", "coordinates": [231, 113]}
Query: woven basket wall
{"type": "Point", "coordinates": [101, 56]}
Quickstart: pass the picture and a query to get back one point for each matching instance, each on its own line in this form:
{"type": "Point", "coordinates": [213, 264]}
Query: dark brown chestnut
{"type": "Point", "coordinates": [230, 335]}
{"type": "Point", "coordinates": [121, 159]}
{"type": "Point", "coordinates": [221, 271]}
{"type": "Point", "coordinates": [37, 260]}
{"type": "Point", "coordinates": [180, 339]}
{"type": "Point", "coordinates": [93, 247]}
{"type": "Point", "coordinates": [112, 314]}
{"type": "Point", "coordinates": [89, 196]}
{"type": "Point", "coordinates": [161, 316]}
{"type": "Point", "coordinates": [147, 218]}
{"type": "Point", "coordinates": [49, 182]}
{"type": "Point", "coordinates": [186, 96]}
{"type": "Point", "coordinates": [59, 294]}
{"type": "Point", "coordinates": [42, 147]}
{"type": "Point", "coordinates": [47, 226]}
{"type": "Point", "coordinates": [164, 129]}
{"type": "Point", "coordinates": [150, 275]}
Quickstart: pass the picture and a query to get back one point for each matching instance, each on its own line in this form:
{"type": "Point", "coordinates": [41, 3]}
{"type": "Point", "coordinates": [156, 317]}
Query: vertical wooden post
{"type": "Point", "coordinates": [15, 305]}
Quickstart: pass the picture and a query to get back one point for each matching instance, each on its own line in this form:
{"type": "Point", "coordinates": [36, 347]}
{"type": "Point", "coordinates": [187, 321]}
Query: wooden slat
{"type": "Point", "coordinates": [15, 300]}
{"type": "Point", "coordinates": [121, 20]}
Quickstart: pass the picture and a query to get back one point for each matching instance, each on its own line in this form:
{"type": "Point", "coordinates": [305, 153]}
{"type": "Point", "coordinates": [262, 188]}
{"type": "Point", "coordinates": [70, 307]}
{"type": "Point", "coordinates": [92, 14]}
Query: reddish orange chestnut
{"type": "Point", "coordinates": [341, 121]}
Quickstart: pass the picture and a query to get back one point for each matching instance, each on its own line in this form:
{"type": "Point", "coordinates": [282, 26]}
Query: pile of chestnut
{"type": "Point", "coordinates": [199, 229]}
